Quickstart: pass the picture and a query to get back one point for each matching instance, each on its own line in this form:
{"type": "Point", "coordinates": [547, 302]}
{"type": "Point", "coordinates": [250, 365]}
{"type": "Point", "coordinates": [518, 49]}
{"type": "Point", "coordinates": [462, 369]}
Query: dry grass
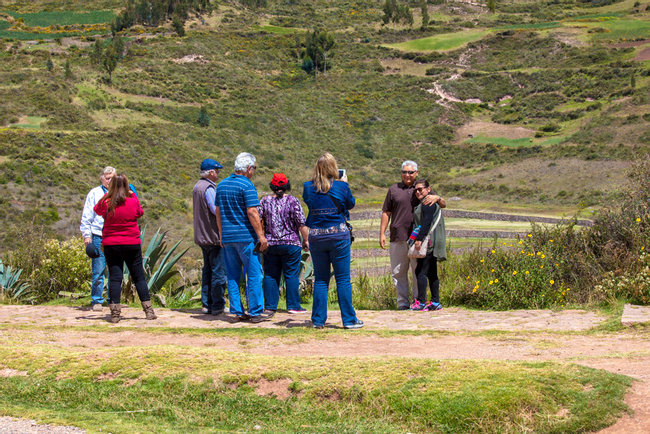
{"type": "Point", "coordinates": [553, 176]}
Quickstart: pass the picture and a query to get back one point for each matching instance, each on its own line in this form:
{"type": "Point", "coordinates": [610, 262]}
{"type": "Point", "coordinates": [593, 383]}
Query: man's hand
{"type": "Point", "coordinates": [88, 241]}
{"type": "Point", "coordinates": [382, 240]}
{"type": "Point", "coordinates": [264, 244]}
{"type": "Point", "coordinates": [383, 225]}
{"type": "Point", "coordinates": [431, 199]}
{"type": "Point", "coordinates": [418, 244]}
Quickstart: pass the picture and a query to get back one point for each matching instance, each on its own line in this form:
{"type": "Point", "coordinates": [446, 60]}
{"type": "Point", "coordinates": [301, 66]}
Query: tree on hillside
{"type": "Point", "coordinates": [109, 62]}
{"type": "Point", "coordinates": [49, 65]}
{"type": "Point", "coordinates": [492, 5]}
{"type": "Point", "coordinates": [178, 25]}
{"type": "Point", "coordinates": [317, 48]}
{"type": "Point", "coordinates": [396, 12]}
{"type": "Point", "coordinates": [68, 70]}
{"type": "Point", "coordinates": [118, 45]}
{"type": "Point", "coordinates": [156, 12]}
{"type": "Point", "coordinates": [204, 117]}
{"type": "Point", "coordinates": [96, 55]}
{"type": "Point", "coordinates": [425, 14]}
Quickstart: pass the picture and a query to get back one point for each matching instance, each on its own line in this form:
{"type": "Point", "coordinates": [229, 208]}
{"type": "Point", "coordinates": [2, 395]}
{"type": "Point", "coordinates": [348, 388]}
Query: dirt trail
{"type": "Point", "coordinates": [533, 337]}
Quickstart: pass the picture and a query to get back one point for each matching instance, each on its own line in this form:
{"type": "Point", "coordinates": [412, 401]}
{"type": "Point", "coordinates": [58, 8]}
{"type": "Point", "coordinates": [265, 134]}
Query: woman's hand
{"type": "Point", "coordinates": [305, 245]}
{"type": "Point", "coordinates": [418, 244]}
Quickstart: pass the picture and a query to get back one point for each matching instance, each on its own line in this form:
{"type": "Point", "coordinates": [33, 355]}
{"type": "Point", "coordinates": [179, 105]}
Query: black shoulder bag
{"type": "Point", "coordinates": [347, 223]}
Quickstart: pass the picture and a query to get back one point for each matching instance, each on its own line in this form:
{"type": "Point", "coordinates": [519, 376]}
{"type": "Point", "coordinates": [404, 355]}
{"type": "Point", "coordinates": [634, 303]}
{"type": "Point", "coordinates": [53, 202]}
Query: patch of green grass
{"type": "Point", "coordinates": [32, 122]}
{"type": "Point", "coordinates": [535, 26]}
{"type": "Point", "coordinates": [444, 42]}
{"type": "Point", "coordinates": [627, 29]}
{"type": "Point", "coordinates": [168, 388]}
{"type": "Point", "coordinates": [45, 19]}
{"type": "Point", "coordinates": [279, 30]}
{"type": "Point", "coordinates": [503, 141]}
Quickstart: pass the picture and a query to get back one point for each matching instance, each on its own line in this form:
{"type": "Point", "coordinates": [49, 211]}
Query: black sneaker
{"type": "Point", "coordinates": [257, 319]}
{"type": "Point", "coordinates": [357, 325]}
{"type": "Point", "coordinates": [243, 317]}
{"type": "Point", "coordinates": [403, 308]}
{"type": "Point", "coordinates": [269, 313]}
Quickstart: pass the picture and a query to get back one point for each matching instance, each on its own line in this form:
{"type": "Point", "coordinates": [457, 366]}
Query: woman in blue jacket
{"type": "Point", "coordinates": [329, 200]}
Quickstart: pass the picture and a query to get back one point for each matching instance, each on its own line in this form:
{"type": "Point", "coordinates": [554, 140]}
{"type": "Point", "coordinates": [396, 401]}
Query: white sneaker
{"type": "Point", "coordinates": [97, 307]}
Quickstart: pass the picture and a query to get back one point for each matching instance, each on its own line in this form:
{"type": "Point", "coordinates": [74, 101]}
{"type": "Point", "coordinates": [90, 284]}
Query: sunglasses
{"type": "Point", "coordinates": [410, 172]}
{"type": "Point", "coordinates": [254, 167]}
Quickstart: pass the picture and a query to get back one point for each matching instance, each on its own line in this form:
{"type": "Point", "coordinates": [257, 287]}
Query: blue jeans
{"type": "Point", "coordinates": [97, 266]}
{"type": "Point", "coordinates": [213, 278]}
{"type": "Point", "coordinates": [278, 260]}
{"type": "Point", "coordinates": [240, 257]}
{"type": "Point", "coordinates": [336, 253]}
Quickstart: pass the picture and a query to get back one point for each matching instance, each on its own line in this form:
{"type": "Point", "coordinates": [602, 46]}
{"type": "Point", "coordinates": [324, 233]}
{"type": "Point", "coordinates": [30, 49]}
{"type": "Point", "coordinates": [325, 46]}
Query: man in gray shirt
{"type": "Point", "coordinates": [206, 236]}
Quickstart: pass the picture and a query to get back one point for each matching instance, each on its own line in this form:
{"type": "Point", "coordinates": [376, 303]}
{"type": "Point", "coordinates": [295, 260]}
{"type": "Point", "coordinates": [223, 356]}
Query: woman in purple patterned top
{"type": "Point", "coordinates": [284, 222]}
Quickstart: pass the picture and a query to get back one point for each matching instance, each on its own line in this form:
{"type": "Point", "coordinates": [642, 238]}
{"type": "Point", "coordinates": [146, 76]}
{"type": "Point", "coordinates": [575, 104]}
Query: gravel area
{"type": "Point", "coordinates": [9, 425]}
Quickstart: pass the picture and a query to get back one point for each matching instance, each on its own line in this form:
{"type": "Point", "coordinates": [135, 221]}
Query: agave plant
{"type": "Point", "coordinates": [159, 265]}
{"type": "Point", "coordinates": [10, 286]}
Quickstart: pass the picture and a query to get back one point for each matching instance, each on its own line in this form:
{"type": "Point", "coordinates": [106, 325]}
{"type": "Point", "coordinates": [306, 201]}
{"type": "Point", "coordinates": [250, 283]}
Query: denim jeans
{"type": "Point", "coordinates": [278, 260]}
{"type": "Point", "coordinates": [337, 254]}
{"type": "Point", "coordinates": [240, 257]}
{"type": "Point", "coordinates": [213, 278]}
{"type": "Point", "coordinates": [116, 257]}
{"type": "Point", "coordinates": [97, 267]}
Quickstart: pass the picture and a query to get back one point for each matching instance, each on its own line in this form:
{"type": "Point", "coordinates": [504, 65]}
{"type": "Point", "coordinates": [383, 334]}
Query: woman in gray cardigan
{"type": "Point", "coordinates": [429, 218]}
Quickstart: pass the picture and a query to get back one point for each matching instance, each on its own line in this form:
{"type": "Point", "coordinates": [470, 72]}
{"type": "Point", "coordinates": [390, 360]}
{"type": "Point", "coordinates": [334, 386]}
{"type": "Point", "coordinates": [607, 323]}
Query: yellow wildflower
{"type": "Point", "coordinates": [514, 273]}
{"type": "Point", "coordinates": [552, 281]}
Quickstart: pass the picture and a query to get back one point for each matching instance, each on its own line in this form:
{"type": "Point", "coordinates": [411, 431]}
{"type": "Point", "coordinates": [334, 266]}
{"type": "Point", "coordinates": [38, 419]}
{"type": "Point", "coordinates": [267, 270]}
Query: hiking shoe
{"type": "Point", "coordinates": [205, 310]}
{"type": "Point", "coordinates": [270, 313]}
{"type": "Point", "coordinates": [243, 317]}
{"type": "Point", "coordinates": [217, 312]}
{"type": "Point", "coordinates": [417, 305]}
{"type": "Point", "coordinates": [403, 308]}
{"type": "Point", "coordinates": [97, 307]}
{"type": "Point", "coordinates": [318, 326]}
{"type": "Point", "coordinates": [300, 310]}
{"type": "Point", "coordinates": [356, 325]}
{"type": "Point", "coordinates": [258, 318]}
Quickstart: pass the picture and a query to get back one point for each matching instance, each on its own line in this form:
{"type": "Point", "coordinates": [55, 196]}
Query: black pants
{"type": "Point", "coordinates": [116, 257]}
{"type": "Point", "coordinates": [427, 268]}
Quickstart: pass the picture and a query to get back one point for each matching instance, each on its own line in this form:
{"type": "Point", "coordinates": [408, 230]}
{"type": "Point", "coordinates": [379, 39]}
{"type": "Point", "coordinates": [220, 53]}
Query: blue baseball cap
{"type": "Point", "coordinates": [210, 164]}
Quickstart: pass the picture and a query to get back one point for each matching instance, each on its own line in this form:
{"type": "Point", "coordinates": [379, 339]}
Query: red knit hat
{"type": "Point", "coordinates": [279, 180]}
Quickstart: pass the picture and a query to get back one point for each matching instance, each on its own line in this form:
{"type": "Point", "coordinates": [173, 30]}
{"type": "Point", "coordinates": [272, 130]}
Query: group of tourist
{"type": "Point", "coordinates": [259, 242]}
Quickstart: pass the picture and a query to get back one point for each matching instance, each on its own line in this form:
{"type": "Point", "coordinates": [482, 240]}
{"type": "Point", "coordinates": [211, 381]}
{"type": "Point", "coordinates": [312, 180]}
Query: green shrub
{"type": "Point", "coordinates": [63, 266]}
{"type": "Point", "coordinates": [374, 293]}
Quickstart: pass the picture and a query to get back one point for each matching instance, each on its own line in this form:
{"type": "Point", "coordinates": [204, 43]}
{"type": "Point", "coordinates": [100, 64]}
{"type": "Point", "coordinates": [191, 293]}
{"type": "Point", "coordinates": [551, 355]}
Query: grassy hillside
{"type": "Point", "coordinates": [564, 74]}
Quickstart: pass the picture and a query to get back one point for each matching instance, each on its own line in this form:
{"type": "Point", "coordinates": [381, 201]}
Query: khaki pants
{"type": "Point", "coordinates": [400, 264]}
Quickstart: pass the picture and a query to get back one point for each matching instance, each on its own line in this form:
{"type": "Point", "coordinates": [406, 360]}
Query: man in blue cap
{"type": "Point", "coordinates": [206, 236]}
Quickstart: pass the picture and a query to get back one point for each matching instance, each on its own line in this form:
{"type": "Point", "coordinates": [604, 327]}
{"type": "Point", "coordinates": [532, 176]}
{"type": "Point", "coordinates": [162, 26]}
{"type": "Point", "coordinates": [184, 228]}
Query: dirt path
{"type": "Point", "coordinates": [531, 336]}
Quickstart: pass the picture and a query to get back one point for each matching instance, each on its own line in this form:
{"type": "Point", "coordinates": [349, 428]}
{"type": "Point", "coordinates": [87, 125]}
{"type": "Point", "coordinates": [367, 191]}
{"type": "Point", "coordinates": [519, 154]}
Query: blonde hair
{"type": "Point", "coordinates": [325, 172]}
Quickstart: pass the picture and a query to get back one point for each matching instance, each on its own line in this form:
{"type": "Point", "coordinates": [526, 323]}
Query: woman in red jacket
{"type": "Point", "coordinates": [121, 210]}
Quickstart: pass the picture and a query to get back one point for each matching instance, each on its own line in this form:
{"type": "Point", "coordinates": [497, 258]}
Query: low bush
{"type": "Point", "coordinates": [555, 265]}
{"type": "Point", "coordinates": [53, 266]}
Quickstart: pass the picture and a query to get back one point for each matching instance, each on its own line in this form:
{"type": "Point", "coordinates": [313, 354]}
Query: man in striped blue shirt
{"type": "Point", "coordinates": [240, 228]}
